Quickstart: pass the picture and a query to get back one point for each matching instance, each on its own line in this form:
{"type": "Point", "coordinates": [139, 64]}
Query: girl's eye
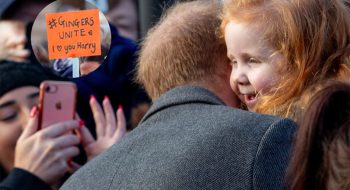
{"type": "Point", "coordinates": [9, 117]}
{"type": "Point", "coordinates": [253, 60]}
{"type": "Point", "coordinates": [9, 114]}
{"type": "Point", "coordinates": [233, 62]}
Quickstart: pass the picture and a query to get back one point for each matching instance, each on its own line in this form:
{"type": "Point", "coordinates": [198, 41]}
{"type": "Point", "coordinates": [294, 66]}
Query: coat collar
{"type": "Point", "coordinates": [183, 95]}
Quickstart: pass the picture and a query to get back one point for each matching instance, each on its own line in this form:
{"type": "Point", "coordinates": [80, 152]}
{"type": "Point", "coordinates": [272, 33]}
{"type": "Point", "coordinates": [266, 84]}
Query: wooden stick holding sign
{"type": "Point", "coordinates": [72, 35]}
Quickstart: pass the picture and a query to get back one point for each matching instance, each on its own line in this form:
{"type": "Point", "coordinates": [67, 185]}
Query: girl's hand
{"type": "Point", "coordinates": [45, 152]}
{"type": "Point", "coordinates": [109, 130]}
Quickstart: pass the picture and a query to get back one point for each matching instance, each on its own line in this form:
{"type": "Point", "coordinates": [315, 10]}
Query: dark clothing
{"type": "Point", "coordinates": [20, 179]}
{"type": "Point", "coordinates": [114, 78]}
{"type": "Point", "coordinates": [190, 140]}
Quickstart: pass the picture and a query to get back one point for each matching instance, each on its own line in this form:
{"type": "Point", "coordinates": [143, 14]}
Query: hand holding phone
{"type": "Point", "coordinates": [57, 102]}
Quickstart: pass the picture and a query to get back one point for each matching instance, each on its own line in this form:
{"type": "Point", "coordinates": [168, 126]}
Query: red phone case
{"type": "Point", "coordinates": [57, 102]}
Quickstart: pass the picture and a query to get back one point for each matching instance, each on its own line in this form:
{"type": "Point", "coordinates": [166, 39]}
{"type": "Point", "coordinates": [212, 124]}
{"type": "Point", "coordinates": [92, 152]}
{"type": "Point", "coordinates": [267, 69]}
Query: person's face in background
{"type": "Point", "coordinates": [123, 15]}
{"type": "Point", "coordinates": [12, 41]}
{"type": "Point", "coordinates": [25, 11]}
{"type": "Point", "coordinates": [12, 28]}
{"type": "Point", "coordinates": [88, 67]}
{"type": "Point", "coordinates": [17, 16]}
{"type": "Point", "coordinates": [15, 107]}
{"type": "Point", "coordinates": [254, 62]}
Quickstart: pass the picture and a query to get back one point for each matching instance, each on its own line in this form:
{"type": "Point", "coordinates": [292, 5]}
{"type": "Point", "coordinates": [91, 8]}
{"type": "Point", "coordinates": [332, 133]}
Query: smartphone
{"type": "Point", "coordinates": [57, 102]}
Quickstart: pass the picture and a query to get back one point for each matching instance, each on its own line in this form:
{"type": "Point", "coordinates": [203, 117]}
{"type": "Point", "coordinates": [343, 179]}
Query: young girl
{"type": "Point", "coordinates": [282, 51]}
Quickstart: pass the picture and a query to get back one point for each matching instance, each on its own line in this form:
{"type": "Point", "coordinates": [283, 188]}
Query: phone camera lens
{"type": "Point", "coordinates": [47, 89]}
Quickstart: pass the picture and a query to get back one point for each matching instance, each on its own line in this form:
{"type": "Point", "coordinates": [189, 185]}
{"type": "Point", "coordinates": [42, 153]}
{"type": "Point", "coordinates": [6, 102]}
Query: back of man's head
{"type": "Point", "coordinates": [184, 49]}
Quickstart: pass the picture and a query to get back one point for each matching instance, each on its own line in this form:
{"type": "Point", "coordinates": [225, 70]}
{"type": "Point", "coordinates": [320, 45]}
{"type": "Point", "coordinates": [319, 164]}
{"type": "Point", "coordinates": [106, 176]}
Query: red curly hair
{"type": "Point", "coordinates": [312, 35]}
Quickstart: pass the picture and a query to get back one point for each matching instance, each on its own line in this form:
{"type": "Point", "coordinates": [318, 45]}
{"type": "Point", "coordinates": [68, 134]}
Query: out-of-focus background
{"type": "Point", "coordinates": [129, 21]}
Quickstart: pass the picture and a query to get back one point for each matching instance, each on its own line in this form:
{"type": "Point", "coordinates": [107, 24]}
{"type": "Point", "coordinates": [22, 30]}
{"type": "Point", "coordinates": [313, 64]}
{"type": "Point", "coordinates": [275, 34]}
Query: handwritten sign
{"type": "Point", "coordinates": [73, 34]}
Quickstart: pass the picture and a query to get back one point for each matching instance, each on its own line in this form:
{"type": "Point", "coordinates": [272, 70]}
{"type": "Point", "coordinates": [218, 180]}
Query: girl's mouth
{"type": "Point", "coordinates": [250, 100]}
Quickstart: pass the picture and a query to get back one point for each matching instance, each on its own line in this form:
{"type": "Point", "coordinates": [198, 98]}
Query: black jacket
{"type": "Point", "coordinates": [20, 179]}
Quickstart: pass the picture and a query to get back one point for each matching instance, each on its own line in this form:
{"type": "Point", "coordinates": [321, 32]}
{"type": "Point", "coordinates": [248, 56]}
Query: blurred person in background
{"type": "Point", "coordinates": [114, 78]}
{"type": "Point", "coordinates": [39, 159]}
{"type": "Point", "coordinates": [15, 25]}
{"type": "Point", "coordinates": [123, 14]}
{"type": "Point", "coordinates": [12, 41]}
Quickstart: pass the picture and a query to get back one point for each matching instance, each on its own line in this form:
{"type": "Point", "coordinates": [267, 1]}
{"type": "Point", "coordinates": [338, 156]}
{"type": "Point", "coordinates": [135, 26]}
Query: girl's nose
{"type": "Point", "coordinates": [238, 75]}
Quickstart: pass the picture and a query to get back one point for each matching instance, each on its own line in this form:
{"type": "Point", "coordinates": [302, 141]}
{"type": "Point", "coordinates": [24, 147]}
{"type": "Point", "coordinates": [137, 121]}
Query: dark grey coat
{"type": "Point", "coordinates": [190, 140]}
